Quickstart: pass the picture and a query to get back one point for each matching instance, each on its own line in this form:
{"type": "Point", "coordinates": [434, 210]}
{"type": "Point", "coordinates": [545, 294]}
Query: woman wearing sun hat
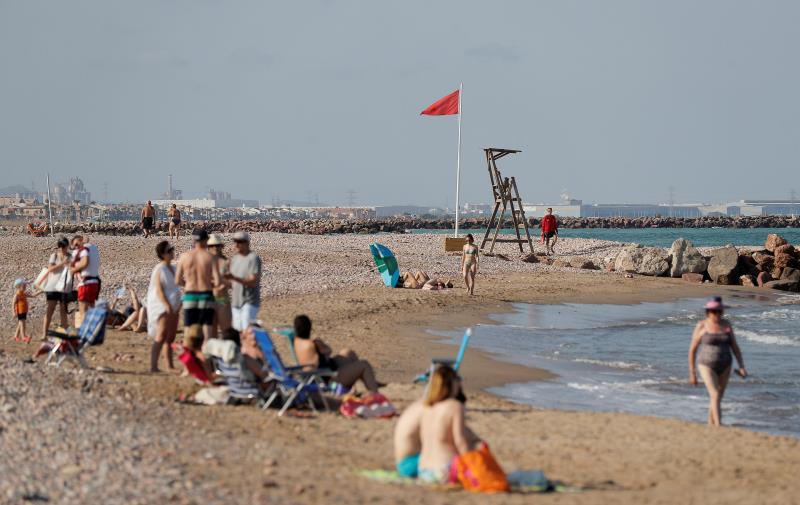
{"type": "Point", "coordinates": [714, 336]}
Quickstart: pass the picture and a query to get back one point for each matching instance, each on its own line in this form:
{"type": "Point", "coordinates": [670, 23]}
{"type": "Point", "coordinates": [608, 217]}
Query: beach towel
{"type": "Point", "coordinates": [214, 395]}
{"type": "Point", "coordinates": [226, 350]}
{"type": "Point", "coordinates": [519, 481]}
{"type": "Point", "coordinates": [374, 406]}
{"type": "Point", "coordinates": [165, 276]}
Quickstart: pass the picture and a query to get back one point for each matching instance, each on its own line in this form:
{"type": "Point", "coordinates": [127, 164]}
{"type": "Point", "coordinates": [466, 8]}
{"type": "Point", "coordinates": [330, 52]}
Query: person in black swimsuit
{"type": "Point", "coordinates": [714, 336]}
{"type": "Point", "coordinates": [314, 353]}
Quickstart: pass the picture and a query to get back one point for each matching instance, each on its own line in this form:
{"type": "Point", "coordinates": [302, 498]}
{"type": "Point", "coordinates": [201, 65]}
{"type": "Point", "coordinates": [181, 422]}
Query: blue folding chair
{"type": "Point", "coordinates": [454, 363]}
{"type": "Point", "coordinates": [293, 383]}
{"type": "Point", "coordinates": [91, 332]}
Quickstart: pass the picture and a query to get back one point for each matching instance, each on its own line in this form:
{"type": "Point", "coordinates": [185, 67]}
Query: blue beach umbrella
{"type": "Point", "coordinates": [386, 263]}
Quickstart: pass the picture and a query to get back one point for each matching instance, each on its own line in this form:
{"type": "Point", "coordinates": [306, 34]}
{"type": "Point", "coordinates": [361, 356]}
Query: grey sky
{"type": "Point", "coordinates": [613, 100]}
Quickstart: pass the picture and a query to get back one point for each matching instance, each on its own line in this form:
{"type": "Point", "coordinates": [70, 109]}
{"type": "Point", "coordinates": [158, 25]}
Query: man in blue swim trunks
{"type": "Point", "coordinates": [197, 274]}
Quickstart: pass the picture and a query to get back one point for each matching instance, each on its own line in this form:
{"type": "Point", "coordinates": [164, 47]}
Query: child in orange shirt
{"type": "Point", "coordinates": [21, 310]}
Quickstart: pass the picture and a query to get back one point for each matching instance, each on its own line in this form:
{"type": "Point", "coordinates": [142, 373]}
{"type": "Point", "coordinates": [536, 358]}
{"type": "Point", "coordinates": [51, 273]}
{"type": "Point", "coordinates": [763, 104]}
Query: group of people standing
{"type": "Point", "coordinates": [220, 294]}
{"type": "Point", "coordinates": [147, 219]}
{"type": "Point", "coordinates": [72, 275]}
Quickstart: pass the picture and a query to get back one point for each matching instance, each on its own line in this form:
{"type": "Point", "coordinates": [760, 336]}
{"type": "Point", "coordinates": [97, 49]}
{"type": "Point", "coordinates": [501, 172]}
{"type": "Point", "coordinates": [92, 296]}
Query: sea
{"type": "Point", "coordinates": [663, 237]}
{"type": "Point", "coordinates": [633, 358]}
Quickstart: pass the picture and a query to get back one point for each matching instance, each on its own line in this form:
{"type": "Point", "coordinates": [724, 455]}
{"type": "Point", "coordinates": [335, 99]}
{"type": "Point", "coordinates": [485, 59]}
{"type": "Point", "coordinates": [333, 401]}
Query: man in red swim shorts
{"type": "Point", "coordinates": [86, 268]}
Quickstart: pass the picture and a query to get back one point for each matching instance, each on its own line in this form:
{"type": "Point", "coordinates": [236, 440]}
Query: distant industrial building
{"type": "Point", "coordinates": [71, 192]}
{"type": "Point", "coordinates": [576, 208]}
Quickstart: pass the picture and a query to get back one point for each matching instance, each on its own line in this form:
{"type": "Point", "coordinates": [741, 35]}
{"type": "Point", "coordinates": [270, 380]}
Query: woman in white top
{"type": "Point", "coordinates": [56, 284]}
{"type": "Point", "coordinates": [163, 306]}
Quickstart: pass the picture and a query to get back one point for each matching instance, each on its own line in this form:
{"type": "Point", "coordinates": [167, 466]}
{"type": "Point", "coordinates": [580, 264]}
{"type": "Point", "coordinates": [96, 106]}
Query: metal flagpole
{"type": "Point", "coordinates": [49, 205]}
{"type": "Point", "coordinates": [458, 158]}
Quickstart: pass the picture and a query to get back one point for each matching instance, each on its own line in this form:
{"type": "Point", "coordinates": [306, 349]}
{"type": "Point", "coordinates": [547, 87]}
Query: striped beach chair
{"type": "Point", "coordinates": [92, 332]}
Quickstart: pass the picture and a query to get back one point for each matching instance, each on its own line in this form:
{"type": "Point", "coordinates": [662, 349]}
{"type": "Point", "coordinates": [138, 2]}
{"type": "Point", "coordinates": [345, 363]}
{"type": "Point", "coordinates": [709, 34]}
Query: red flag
{"type": "Point", "coordinates": [446, 106]}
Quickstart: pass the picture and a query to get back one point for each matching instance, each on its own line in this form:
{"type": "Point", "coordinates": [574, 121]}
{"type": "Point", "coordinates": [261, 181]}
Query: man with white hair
{"type": "Point", "coordinates": [245, 272]}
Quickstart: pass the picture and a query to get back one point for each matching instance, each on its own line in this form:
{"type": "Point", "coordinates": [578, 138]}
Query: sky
{"type": "Point", "coordinates": [614, 101]}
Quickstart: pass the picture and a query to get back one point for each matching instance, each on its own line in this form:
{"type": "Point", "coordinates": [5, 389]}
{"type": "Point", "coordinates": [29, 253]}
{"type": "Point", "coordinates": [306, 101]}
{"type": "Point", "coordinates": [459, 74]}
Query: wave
{"type": "Point", "coordinates": [623, 365]}
{"type": "Point", "coordinates": [779, 314]}
{"type": "Point", "coordinates": [762, 338]}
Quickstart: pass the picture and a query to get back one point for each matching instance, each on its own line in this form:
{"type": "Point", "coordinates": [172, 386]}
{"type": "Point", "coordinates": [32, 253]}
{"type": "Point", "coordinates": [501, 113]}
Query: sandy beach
{"type": "Point", "coordinates": [61, 428]}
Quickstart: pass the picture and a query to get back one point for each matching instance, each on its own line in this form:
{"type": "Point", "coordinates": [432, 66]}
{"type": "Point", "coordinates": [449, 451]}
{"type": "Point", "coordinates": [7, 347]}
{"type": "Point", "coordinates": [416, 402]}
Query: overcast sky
{"type": "Point", "coordinates": [614, 101]}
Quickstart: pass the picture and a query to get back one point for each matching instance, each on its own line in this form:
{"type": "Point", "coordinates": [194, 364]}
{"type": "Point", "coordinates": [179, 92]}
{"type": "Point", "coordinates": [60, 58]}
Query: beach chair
{"type": "Point", "coordinates": [328, 386]}
{"type": "Point", "coordinates": [91, 332]}
{"type": "Point", "coordinates": [454, 363]}
{"type": "Point", "coordinates": [239, 387]}
{"type": "Point", "coordinates": [293, 384]}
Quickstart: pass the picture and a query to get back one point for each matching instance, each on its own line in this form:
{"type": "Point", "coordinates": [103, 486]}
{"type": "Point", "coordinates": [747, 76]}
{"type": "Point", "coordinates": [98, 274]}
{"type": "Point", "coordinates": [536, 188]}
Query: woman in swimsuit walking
{"type": "Point", "coordinates": [469, 263]}
{"type": "Point", "coordinates": [714, 336]}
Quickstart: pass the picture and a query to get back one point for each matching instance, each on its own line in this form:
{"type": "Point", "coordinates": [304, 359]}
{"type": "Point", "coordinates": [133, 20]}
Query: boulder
{"type": "Point", "coordinates": [692, 277]}
{"type": "Point", "coordinates": [764, 261]}
{"type": "Point", "coordinates": [530, 258]}
{"type": "Point", "coordinates": [783, 285]}
{"type": "Point", "coordinates": [784, 256]}
{"type": "Point", "coordinates": [644, 261]}
{"type": "Point", "coordinates": [763, 278]}
{"type": "Point", "coordinates": [773, 241]}
{"type": "Point", "coordinates": [723, 267]}
{"type": "Point", "coordinates": [790, 274]}
{"type": "Point", "coordinates": [686, 259]}
{"type": "Point", "coordinates": [748, 280]}
{"type": "Point", "coordinates": [582, 264]}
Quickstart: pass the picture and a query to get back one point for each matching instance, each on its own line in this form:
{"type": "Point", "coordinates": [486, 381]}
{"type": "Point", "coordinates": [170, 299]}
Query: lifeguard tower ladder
{"type": "Point", "coordinates": [506, 195]}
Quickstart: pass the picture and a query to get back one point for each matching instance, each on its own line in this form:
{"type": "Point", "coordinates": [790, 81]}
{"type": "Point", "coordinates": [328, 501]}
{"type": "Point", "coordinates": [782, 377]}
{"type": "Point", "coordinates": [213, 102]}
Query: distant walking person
{"type": "Point", "coordinates": [245, 272]}
{"type": "Point", "coordinates": [86, 268]}
{"type": "Point", "coordinates": [549, 227]}
{"type": "Point", "coordinates": [469, 263]}
{"type": "Point", "coordinates": [198, 275]}
{"type": "Point", "coordinates": [174, 216]}
{"type": "Point", "coordinates": [148, 218]}
{"type": "Point", "coordinates": [714, 336]}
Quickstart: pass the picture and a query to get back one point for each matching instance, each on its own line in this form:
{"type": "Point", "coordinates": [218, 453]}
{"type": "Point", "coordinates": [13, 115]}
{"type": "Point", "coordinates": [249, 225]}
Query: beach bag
{"type": "Point", "coordinates": [376, 406]}
{"type": "Point", "coordinates": [479, 472]}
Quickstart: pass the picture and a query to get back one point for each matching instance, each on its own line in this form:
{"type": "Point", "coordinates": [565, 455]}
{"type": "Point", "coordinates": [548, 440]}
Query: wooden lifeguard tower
{"type": "Point", "coordinates": [506, 195]}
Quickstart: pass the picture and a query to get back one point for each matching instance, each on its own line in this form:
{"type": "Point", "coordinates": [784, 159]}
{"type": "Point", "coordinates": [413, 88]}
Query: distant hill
{"type": "Point", "coordinates": [13, 190]}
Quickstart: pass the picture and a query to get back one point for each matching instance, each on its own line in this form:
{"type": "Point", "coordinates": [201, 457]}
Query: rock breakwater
{"type": "Point", "coordinates": [403, 224]}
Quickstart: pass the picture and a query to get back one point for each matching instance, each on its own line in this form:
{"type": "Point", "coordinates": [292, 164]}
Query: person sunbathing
{"type": "Point", "coordinates": [407, 441]}
{"type": "Point", "coordinates": [436, 285]}
{"type": "Point", "coordinates": [134, 316]}
{"type": "Point", "coordinates": [443, 433]}
{"type": "Point", "coordinates": [314, 353]}
{"type": "Point", "coordinates": [422, 280]}
{"type": "Point", "coordinates": [414, 281]}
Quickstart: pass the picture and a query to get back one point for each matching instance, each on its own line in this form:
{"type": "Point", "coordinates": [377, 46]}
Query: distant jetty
{"type": "Point", "coordinates": [404, 224]}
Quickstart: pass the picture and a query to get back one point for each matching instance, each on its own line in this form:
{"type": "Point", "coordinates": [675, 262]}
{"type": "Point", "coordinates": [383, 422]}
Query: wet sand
{"type": "Point", "coordinates": [240, 454]}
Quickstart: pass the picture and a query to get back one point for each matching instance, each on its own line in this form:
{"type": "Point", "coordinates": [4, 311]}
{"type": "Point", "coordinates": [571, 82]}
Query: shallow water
{"type": "Point", "coordinates": [633, 358]}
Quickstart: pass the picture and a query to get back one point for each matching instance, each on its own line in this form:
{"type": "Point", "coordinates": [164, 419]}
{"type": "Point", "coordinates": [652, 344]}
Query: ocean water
{"type": "Point", "coordinates": [663, 237]}
{"type": "Point", "coordinates": [633, 358]}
